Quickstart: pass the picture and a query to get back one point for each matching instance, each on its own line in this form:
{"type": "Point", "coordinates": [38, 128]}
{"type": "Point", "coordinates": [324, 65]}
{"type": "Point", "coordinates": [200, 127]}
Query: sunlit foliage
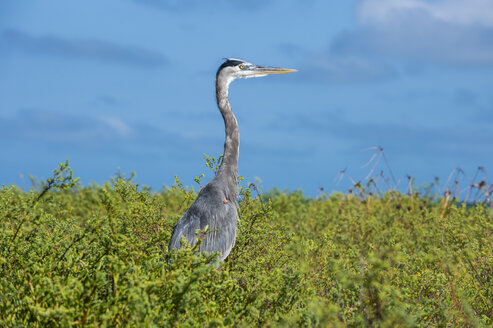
{"type": "Point", "coordinates": [97, 256]}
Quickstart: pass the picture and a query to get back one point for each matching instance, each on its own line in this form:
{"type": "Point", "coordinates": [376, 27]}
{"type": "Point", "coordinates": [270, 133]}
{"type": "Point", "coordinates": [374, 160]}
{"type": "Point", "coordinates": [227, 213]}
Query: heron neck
{"type": "Point", "coordinates": [229, 164]}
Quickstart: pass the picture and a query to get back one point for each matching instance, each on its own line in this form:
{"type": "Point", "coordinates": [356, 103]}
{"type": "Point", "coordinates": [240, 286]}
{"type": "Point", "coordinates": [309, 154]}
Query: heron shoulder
{"type": "Point", "coordinates": [209, 210]}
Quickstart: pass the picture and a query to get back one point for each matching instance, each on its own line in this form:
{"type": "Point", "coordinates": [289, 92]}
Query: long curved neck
{"type": "Point", "coordinates": [229, 164]}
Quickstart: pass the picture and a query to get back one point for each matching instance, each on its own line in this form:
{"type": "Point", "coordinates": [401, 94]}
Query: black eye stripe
{"type": "Point", "coordinates": [231, 62]}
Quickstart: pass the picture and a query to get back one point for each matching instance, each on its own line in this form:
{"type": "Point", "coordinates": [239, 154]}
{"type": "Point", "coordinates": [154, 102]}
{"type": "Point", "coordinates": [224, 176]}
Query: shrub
{"type": "Point", "coordinates": [97, 256]}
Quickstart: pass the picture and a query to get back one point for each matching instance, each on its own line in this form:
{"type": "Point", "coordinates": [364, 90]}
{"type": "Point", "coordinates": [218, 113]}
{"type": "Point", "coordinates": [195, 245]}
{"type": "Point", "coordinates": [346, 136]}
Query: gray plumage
{"type": "Point", "coordinates": [216, 205]}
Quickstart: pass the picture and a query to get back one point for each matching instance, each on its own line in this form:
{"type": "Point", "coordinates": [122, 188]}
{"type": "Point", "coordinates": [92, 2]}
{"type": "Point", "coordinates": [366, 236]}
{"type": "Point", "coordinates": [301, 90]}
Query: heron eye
{"type": "Point", "coordinates": [242, 66]}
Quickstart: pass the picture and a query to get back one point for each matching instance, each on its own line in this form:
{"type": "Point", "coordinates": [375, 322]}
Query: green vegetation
{"type": "Point", "coordinates": [97, 256]}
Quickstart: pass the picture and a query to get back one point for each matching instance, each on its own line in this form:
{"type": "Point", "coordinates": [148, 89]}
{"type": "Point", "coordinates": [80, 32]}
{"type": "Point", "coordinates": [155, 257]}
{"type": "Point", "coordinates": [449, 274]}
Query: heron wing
{"type": "Point", "coordinates": [186, 227]}
{"type": "Point", "coordinates": [222, 227]}
{"type": "Point", "coordinates": [209, 209]}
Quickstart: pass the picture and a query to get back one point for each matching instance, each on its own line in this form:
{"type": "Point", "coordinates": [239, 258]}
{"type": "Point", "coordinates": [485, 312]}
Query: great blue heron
{"type": "Point", "coordinates": [216, 206]}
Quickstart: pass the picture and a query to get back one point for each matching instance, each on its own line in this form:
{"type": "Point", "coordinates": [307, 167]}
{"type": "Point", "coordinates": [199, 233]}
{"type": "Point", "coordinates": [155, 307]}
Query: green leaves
{"type": "Point", "coordinates": [212, 163]}
{"type": "Point", "coordinates": [98, 256]}
{"type": "Point", "coordinates": [61, 180]}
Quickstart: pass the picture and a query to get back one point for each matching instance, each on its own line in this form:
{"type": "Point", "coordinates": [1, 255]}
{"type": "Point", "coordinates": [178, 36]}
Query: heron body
{"type": "Point", "coordinates": [216, 205]}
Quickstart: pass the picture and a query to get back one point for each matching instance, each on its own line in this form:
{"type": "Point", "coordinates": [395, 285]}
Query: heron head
{"type": "Point", "coordinates": [233, 69]}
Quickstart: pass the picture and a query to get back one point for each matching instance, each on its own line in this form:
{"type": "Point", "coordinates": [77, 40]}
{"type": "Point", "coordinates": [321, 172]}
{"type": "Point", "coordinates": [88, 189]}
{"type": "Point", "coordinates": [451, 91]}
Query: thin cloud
{"type": "Point", "coordinates": [326, 68]}
{"type": "Point", "coordinates": [60, 128]}
{"type": "Point", "coordinates": [88, 49]}
{"type": "Point", "coordinates": [443, 32]}
{"type": "Point", "coordinates": [408, 139]}
{"type": "Point", "coordinates": [57, 129]}
{"type": "Point", "coordinates": [348, 69]}
{"type": "Point", "coordinates": [400, 37]}
{"type": "Point", "coordinates": [457, 12]}
{"type": "Point", "coordinates": [418, 38]}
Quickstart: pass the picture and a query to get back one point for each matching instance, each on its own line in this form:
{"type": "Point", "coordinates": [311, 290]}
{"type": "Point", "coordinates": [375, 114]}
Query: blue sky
{"type": "Point", "coordinates": [129, 84]}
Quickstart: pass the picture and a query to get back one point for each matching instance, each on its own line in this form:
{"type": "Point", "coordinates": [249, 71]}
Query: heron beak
{"type": "Point", "coordinates": [265, 70]}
